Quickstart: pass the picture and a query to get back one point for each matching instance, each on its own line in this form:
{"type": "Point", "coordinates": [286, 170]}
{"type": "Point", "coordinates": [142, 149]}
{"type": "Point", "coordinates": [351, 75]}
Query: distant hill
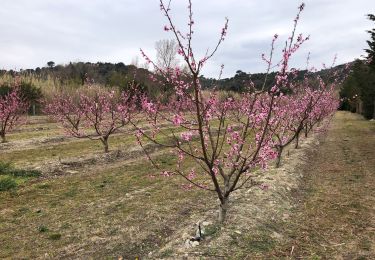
{"type": "Point", "coordinates": [121, 75]}
{"type": "Point", "coordinates": [241, 79]}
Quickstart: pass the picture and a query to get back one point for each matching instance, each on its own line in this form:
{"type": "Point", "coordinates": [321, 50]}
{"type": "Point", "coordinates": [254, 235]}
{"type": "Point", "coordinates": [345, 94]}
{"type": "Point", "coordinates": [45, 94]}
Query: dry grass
{"type": "Point", "coordinates": [336, 216]}
{"type": "Point", "coordinates": [319, 203]}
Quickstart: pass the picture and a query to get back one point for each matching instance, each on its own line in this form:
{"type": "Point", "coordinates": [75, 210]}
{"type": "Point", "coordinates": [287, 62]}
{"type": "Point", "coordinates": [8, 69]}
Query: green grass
{"type": "Point", "coordinates": [7, 169]}
{"type": "Point", "coordinates": [42, 229]}
{"type": "Point", "coordinates": [10, 177]}
{"type": "Point", "coordinates": [7, 184]}
{"type": "Point", "coordinates": [54, 236]}
{"type": "Point", "coordinates": [122, 204]}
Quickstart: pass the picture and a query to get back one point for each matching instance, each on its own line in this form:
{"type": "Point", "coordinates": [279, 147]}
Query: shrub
{"type": "Point", "coordinates": [7, 184]}
{"type": "Point", "coordinates": [42, 229]}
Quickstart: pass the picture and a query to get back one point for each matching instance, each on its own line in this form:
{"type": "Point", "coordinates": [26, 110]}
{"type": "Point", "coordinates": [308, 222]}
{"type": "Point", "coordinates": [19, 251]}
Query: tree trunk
{"type": "Point", "coordinates": [223, 208]}
{"type": "Point", "coordinates": [279, 153]}
{"type": "Point", "coordinates": [3, 139]}
{"type": "Point", "coordinates": [297, 140]}
{"type": "Point", "coordinates": [105, 144]}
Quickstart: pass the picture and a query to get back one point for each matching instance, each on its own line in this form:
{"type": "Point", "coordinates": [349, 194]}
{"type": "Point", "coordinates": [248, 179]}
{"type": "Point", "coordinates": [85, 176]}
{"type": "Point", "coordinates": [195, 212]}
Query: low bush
{"type": "Point", "coordinates": [7, 184]}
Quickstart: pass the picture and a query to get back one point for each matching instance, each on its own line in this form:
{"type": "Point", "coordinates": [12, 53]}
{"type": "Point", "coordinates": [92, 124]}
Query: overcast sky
{"type": "Point", "coordinates": [36, 31]}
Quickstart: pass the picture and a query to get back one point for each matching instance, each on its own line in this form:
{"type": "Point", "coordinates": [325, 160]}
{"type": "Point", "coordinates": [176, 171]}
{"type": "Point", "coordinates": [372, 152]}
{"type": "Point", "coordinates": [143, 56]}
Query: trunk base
{"type": "Point", "coordinates": [223, 208]}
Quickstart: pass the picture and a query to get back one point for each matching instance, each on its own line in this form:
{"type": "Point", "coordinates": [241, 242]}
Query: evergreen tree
{"type": "Point", "coordinates": [371, 43]}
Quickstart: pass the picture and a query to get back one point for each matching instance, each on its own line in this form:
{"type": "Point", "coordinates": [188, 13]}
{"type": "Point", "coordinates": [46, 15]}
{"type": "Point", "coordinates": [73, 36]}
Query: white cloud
{"type": "Point", "coordinates": [34, 32]}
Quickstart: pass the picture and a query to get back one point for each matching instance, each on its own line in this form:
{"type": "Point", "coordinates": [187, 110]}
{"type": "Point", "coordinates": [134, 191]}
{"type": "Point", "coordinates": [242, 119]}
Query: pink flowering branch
{"type": "Point", "coordinates": [93, 113]}
{"type": "Point", "coordinates": [226, 137]}
{"type": "Point", "coordinates": [12, 107]}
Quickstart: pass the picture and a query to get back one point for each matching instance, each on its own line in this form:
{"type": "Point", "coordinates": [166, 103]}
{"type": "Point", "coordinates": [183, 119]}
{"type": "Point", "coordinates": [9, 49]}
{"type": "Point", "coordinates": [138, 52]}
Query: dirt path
{"type": "Point", "coordinates": [336, 216]}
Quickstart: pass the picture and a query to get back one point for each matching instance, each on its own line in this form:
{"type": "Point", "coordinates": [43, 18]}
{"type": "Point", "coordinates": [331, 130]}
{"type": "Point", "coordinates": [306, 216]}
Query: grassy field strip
{"type": "Point", "coordinates": [336, 215]}
{"type": "Point", "coordinates": [118, 207]}
{"type": "Point", "coordinates": [253, 228]}
{"type": "Point", "coordinates": [105, 204]}
{"type": "Point", "coordinates": [46, 138]}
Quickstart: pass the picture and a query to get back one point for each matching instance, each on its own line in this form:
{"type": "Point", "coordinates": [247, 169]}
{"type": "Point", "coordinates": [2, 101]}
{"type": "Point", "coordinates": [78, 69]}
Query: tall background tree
{"type": "Point", "coordinates": [371, 43]}
{"type": "Point", "coordinates": [50, 64]}
{"type": "Point", "coordinates": [166, 54]}
{"type": "Point", "coordinates": [358, 91]}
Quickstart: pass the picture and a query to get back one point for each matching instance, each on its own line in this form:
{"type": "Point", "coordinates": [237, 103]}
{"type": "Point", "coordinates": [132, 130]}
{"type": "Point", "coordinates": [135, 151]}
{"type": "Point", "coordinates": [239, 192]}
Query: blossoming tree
{"type": "Point", "coordinates": [12, 107]}
{"type": "Point", "coordinates": [228, 137]}
{"type": "Point", "coordinates": [93, 113]}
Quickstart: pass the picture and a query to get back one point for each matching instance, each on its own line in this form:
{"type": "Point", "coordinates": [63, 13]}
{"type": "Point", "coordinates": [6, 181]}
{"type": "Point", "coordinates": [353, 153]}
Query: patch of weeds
{"type": "Point", "coordinates": [310, 189]}
{"type": "Point", "coordinates": [54, 204]}
{"type": "Point", "coordinates": [54, 236]}
{"type": "Point", "coordinates": [66, 226]}
{"type": "Point", "coordinates": [113, 231]}
{"type": "Point", "coordinates": [257, 243]}
{"type": "Point", "coordinates": [114, 208]}
{"type": "Point", "coordinates": [315, 257]}
{"type": "Point", "coordinates": [211, 230]}
{"type": "Point", "coordinates": [21, 211]}
{"type": "Point", "coordinates": [166, 253]}
{"type": "Point", "coordinates": [42, 229]}
{"type": "Point", "coordinates": [365, 244]}
{"type": "Point", "coordinates": [167, 161]}
{"type": "Point", "coordinates": [355, 205]}
{"type": "Point", "coordinates": [71, 193]}
{"type": "Point", "coordinates": [7, 169]}
{"type": "Point", "coordinates": [4, 167]}
{"type": "Point", "coordinates": [7, 184]}
{"type": "Point", "coordinates": [105, 182]}
{"type": "Point", "coordinates": [261, 245]}
{"type": "Point", "coordinates": [24, 173]}
{"type": "Point", "coordinates": [43, 186]}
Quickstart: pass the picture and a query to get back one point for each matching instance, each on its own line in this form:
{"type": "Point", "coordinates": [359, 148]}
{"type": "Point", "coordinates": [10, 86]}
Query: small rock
{"type": "Point", "coordinates": [206, 223]}
{"type": "Point", "coordinates": [238, 232]}
{"type": "Point", "coordinates": [276, 235]}
{"type": "Point", "coordinates": [195, 243]}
